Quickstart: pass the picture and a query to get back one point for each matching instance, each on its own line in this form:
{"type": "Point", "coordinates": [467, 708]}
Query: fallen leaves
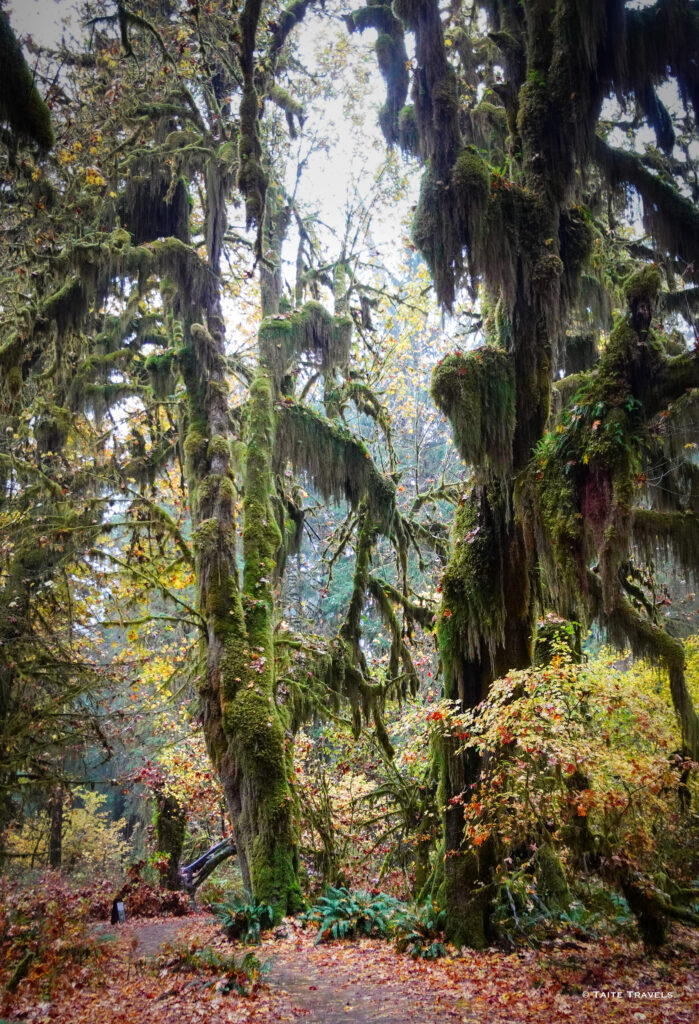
{"type": "Point", "coordinates": [368, 981]}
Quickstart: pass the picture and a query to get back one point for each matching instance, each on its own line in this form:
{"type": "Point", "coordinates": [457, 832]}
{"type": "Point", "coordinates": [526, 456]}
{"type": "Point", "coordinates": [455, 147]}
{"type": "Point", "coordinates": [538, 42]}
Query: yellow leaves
{"type": "Point", "coordinates": [94, 178]}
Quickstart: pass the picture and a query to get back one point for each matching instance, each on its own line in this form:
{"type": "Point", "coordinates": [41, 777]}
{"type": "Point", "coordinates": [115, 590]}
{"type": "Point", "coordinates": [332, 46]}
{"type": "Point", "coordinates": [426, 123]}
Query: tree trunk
{"type": "Point", "coordinates": [170, 824]}
{"type": "Point", "coordinates": [56, 827]}
{"type": "Point", "coordinates": [245, 729]}
{"type": "Point", "coordinates": [504, 576]}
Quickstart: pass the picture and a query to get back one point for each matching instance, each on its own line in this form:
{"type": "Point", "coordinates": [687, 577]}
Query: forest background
{"type": "Point", "coordinates": [249, 582]}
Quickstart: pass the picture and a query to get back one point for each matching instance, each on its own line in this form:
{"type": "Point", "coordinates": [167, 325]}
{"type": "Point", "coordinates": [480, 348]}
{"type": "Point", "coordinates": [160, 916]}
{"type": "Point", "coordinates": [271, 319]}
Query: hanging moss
{"type": "Point", "coordinates": [21, 105]}
{"type": "Point", "coordinates": [65, 308]}
{"type": "Point", "coordinates": [153, 206]}
{"type": "Point", "coordinates": [580, 354]}
{"type": "Point", "coordinates": [551, 885]}
{"type": "Point", "coordinates": [436, 233]}
{"type": "Point", "coordinates": [477, 393]}
{"type": "Point", "coordinates": [392, 59]}
{"type": "Point", "coordinates": [51, 429]}
{"type": "Point", "coordinates": [408, 136]}
{"type": "Point", "coordinates": [576, 238]}
{"type": "Point", "coordinates": [310, 330]}
{"type": "Point", "coordinates": [162, 372]}
{"type": "Point", "coordinates": [673, 535]}
{"type": "Point", "coordinates": [668, 216]}
{"type": "Point", "coordinates": [252, 180]}
{"type": "Point", "coordinates": [337, 462]}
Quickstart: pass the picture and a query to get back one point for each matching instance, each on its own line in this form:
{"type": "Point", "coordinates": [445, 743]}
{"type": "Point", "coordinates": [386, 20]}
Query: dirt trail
{"type": "Point", "coordinates": [147, 938]}
{"type": "Point", "coordinates": [364, 982]}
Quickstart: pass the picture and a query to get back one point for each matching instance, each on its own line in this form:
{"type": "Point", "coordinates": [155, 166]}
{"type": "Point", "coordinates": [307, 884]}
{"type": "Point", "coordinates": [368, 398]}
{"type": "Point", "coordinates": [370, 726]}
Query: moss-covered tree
{"type": "Point", "coordinates": [507, 116]}
{"type": "Point", "coordinates": [125, 320]}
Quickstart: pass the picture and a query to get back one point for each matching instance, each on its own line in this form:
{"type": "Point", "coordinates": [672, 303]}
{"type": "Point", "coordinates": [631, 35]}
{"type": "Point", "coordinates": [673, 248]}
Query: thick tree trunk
{"type": "Point", "coordinates": [468, 676]}
{"type": "Point", "coordinates": [244, 727]}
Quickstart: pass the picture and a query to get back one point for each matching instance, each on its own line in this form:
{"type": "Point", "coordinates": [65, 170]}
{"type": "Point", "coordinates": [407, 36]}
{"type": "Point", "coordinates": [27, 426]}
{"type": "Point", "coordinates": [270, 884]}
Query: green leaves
{"type": "Point", "coordinates": [245, 921]}
{"type": "Point", "coordinates": [345, 914]}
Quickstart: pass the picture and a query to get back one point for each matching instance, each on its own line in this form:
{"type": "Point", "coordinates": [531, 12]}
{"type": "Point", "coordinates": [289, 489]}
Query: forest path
{"type": "Point", "coordinates": [160, 971]}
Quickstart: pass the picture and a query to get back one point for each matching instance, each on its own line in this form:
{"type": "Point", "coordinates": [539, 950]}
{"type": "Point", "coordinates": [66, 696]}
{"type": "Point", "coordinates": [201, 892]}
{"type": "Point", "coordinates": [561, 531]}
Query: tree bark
{"type": "Point", "coordinates": [170, 830]}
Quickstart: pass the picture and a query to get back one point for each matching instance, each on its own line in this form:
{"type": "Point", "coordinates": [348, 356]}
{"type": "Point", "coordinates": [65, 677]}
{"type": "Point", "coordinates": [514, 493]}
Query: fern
{"type": "Point", "coordinates": [420, 932]}
{"type": "Point", "coordinates": [245, 921]}
{"type": "Point", "coordinates": [342, 914]}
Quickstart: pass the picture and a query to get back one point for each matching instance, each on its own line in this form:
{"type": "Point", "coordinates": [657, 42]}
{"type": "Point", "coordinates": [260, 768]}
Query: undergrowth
{"type": "Point", "coordinates": [244, 921]}
{"type": "Point", "coordinates": [345, 914]}
{"type": "Point", "coordinates": [230, 974]}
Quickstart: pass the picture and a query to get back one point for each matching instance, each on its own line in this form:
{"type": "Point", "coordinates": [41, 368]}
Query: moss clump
{"type": "Point", "coordinates": [252, 180]}
{"type": "Point", "coordinates": [218, 447]}
{"type": "Point", "coordinates": [551, 883]}
{"type": "Point", "coordinates": [51, 429]}
{"type": "Point", "coordinates": [13, 381]}
{"type": "Point", "coordinates": [576, 237]}
{"type": "Point", "coordinates": [477, 393]}
{"type": "Point", "coordinates": [471, 178]}
{"type": "Point", "coordinates": [580, 354]}
{"type": "Point", "coordinates": [195, 448]}
{"type": "Point", "coordinates": [311, 331]}
{"type": "Point", "coordinates": [472, 613]}
{"type": "Point", "coordinates": [437, 234]}
{"type": "Point", "coordinates": [154, 203]}
{"type": "Point", "coordinates": [66, 307]}
{"type": "Point", "coordinates": [162, 371]}
{"type": "Point", "coordinates": [644, 283]}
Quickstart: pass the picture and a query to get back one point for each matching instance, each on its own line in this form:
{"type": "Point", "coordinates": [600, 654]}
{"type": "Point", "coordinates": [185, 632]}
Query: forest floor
{"type": "Point", "coordinates": [160, 972]}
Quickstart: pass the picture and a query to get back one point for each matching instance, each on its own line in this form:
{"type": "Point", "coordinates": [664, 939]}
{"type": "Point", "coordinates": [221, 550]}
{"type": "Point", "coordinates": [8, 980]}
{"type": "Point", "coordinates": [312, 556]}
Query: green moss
{"type": "Point", "coordinates": [21, 104]}
{"type": "Point", "coordinates": [13, 381]}
{"type": "Point", "coordinates": [218, 447]}
{"type": "Point", "coordinates": [437, 233]}
{"type": "Point", "coordinates": [51, 429]}
{"type": "Point", "coordinates": [408, 11]}
{"type": "Point", "coordinates": [337, 462]}
{"type": "Point", "coordinates": [66, 307]}
{"type": "Point", "coordinates": [408, 136]}
{"type": "Point", "coordinates": [551, 884]}
{"type": "Point", "coordinates": [162, 372]}
{"type": "Point", "coordinates": [477, 393]}
{"type": "Point", "coordinates": [470, 175]}
{"type": "Point", "coordinates": [644, 283]}
{"type": "Point", "coordinates": [311, 331]}
{"type": "Point", "coordinates": [473, 605]}
{"type": "Point", "coordinates": [195, 448]}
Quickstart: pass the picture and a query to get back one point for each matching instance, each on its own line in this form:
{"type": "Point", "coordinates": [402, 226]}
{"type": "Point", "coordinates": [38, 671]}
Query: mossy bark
{"type": "Point", "coordinates": [246, 730]}
{"type": "Point", "coordinates": [170, 823]}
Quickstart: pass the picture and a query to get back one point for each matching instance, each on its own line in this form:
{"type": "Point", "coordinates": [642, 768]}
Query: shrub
{"type": "Point", "coordinates": [43, 932]}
